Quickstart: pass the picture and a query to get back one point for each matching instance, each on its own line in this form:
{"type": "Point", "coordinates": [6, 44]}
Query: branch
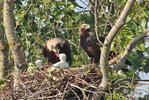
{"type": "Point", "coordinates": [130, 46]}
{"type": "Point", "coordinates": [114, 60]}
{"type": "Point", "coordinates": [96, 21]}
{"type": "Point", "coordinates": [141, 84]}
{"type": "Point", "coordinates": [91, 2]}
{"type": "Point", "coordinates": [106, 15]}
{"type": "Point", "coordinates": [121, 58]}
{"type": "Point", "coordinates": [17, 24]}
{"type": "Point", "coordinates": [33, 44]}
{"type": "Point", "coordinates": [107, 44]}
{"type": "Point", "coordinates": [112, 34]}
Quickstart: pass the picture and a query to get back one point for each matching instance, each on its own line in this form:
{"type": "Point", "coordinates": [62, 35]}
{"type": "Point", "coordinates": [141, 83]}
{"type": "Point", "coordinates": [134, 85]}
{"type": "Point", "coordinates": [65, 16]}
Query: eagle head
{"type": "Point", "coordinates": [84, 28]}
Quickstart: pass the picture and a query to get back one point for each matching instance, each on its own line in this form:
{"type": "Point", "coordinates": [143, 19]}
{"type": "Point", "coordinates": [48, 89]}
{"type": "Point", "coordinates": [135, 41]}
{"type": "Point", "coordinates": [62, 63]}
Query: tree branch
{"type": "Point", "coordinates": [130, 46]}
{"type": "Point", "coordinates": [96, 22]}
{"type": "Point", "coordinates": [106, 15]}
{"type": "Point", "coordinates": [114, 60]}
{"type": "Point", "coordinates": [121, 58]}
{"type": "Point", "coordinates": [107, 44]}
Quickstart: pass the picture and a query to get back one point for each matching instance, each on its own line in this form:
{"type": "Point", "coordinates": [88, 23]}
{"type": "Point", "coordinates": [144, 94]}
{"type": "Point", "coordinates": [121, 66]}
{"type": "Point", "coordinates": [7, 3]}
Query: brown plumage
{"type": "Point", "coordinates": [54, 46]}
{"type": "Point", "coordinates": [89, 43]}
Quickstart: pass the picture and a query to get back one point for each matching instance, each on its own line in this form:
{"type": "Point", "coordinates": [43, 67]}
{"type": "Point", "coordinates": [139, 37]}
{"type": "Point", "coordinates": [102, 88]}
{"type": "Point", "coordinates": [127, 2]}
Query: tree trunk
{"type": "Point", "coordinates": [14, 44]}
{"type": "Point", "coordinates": [106, 47]}
{"type": "Point", "coordinates": [4, 65]}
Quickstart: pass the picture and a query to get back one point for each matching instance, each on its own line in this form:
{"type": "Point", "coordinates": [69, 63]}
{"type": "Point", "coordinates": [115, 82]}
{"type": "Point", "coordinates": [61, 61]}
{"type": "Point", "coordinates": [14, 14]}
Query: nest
{"type": "Point", "coordinates": [54, 84]}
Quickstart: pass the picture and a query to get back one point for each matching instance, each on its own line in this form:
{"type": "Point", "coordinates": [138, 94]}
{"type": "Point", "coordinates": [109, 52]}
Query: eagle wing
{"type": "Point", "coordinates": [92, 40]}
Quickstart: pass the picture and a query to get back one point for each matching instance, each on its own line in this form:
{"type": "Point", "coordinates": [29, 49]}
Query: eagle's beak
{"type": "Point", "coordinates": [57, 54]}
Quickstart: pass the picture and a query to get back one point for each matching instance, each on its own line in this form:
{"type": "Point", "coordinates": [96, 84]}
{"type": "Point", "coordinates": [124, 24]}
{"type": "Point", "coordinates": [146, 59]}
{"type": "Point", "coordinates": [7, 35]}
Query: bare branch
{"type": "Point", "coordinates": [106, 15]}
{"type": "Point", "coordinates": [96, 22]}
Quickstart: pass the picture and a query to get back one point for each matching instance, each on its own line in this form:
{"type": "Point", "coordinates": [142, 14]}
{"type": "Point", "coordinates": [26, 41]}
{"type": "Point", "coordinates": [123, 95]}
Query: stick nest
{"type": "Point", "coordinates": [53, 83]}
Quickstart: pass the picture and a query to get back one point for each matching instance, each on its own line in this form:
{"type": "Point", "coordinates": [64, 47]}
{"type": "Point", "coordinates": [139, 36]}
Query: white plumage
{"type": "Point", "coordinates": [62, 62]}
{"type": "Point", "coordinates": [38, 63]}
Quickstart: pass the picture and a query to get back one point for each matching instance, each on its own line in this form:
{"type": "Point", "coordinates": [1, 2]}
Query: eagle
{"type": "Point", "coordinates": [89, 43]}
{"type": "Point", "coordinates": [53, 47]}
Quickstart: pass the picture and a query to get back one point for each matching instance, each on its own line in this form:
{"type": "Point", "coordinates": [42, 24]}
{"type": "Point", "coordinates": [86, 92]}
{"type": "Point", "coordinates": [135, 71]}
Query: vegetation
{"type": "Point", "coordinates": [34, 21]}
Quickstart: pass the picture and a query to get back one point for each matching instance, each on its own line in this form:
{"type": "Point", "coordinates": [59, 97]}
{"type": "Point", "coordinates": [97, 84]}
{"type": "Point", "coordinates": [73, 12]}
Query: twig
{"type": "Point", "coordinates": [82, 89]}
{"type": "Point", "coordinates": [126, 79]}
{"type": "Point", "coordinates": [23, 17]}
{"type": "Point", "coordinates": [141, 84]}
{"type": "Point", "coordinates": [75, 93]}
{"type": "Point", "coordinates": [106, 15]}
{"type": "Point", "coordinates": [38, 40]}
{"type": "Point", "coordinates": [74, 28]}
{"type": "Point", "coordinates": [96, 22]}
{"type": "Point", "coordinates": [122, 86]}
{"type": "Point", "coordinates": [65, 91]}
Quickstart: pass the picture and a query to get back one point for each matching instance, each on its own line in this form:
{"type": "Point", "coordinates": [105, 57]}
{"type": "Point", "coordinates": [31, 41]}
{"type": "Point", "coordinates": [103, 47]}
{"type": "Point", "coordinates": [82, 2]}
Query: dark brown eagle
{"type": "Point", "coordinates": [89, 43]}
{"type": "Point", "coordinates": [54, 46]}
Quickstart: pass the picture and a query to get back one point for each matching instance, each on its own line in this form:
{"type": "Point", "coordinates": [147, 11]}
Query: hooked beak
{"type": "Point", "coordinates": [57, 54]}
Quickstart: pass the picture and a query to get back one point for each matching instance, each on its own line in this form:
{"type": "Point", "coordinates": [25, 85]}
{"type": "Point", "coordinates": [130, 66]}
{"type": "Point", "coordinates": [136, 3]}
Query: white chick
{"type": "Point", "coordinates": [38, 63]}
{"type": "Point", "coordinates": [62, 62]}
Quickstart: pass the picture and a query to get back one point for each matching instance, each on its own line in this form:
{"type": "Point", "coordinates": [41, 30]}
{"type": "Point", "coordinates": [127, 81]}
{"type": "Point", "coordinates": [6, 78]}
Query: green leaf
{"type": "Point", "coordinates": [20, 15]}
{"type": "Point", "coordinates": [35, 10]}
{"type": "Point", "coordinates": [71, 7]}
{"type": "Point", "coordinates": [121, 73]}
{"type": "Point", "coordinates": [116, 95]}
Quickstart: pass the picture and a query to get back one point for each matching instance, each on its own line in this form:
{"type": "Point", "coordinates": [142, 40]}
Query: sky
{"type": "Point", "coordinates": [142, 90]}
{"type": "Point", "coordinates": [82, 3]}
